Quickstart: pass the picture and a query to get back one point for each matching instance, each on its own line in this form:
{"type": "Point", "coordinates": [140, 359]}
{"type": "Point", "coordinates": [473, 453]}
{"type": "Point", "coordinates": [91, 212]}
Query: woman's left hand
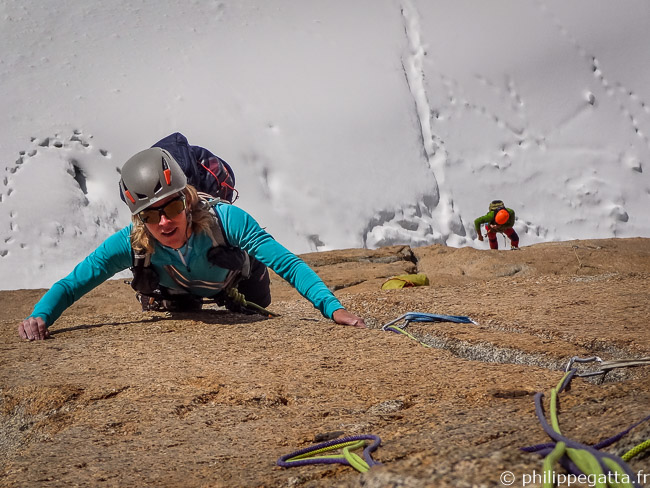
{"type": "Point", "coordinates": [343, 317]}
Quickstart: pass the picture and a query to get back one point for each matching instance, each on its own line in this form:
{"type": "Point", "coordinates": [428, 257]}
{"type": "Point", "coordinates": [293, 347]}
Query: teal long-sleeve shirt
{"type": "Point", "coordinates": [240, 230]}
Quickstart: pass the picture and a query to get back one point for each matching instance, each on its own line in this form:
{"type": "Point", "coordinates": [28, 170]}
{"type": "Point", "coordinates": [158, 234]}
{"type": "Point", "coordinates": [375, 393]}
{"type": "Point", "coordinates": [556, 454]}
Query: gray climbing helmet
{"type": "Point", "coordinates": [150, 176]}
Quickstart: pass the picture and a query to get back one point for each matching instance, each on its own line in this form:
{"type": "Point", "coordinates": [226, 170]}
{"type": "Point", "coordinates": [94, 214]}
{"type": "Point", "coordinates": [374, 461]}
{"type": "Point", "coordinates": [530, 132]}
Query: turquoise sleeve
{"type": "Point", "coordinates": [242, 231]}
{"type": "Point", "coordinates": [111, 257]}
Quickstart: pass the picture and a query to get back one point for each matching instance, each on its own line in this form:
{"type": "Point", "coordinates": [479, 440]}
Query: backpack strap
{"type": "Point", "coordinates": [224, 247]}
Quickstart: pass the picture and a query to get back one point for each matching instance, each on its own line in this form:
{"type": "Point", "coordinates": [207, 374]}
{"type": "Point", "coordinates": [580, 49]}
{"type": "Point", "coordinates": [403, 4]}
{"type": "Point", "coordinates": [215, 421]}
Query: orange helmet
{"type": "Point", "coordinates": [502, 216]}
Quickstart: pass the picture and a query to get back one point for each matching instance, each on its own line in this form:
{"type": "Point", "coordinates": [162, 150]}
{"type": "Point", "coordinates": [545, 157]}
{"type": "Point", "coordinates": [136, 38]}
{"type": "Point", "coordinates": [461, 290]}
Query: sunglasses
{"type": "Point", "coordinates": [171, 209]}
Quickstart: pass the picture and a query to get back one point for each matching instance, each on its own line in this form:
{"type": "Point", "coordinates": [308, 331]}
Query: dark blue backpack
{"type": "Point", "coordinates": [205, 171]}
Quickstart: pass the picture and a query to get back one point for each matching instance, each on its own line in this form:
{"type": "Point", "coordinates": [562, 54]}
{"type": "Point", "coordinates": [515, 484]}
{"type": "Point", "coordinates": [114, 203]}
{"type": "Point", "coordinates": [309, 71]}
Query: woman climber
{"type": "Point", "coordinates": [183, 250]}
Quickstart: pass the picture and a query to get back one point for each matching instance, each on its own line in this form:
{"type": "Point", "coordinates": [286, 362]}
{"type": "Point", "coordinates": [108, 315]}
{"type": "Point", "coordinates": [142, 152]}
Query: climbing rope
{"type": "Point", "coordinates": [240, 300]}
{"type": "Point", "coordinates": [636, 450]}
{"type": "Point", "coordinates": [310, 455]}
{"type": "Point", "coordinates": [579, 458]}
{"type": "Point", "coordinates": [576, 253]}
{"type": "Point", "coordinates": [397, 330]}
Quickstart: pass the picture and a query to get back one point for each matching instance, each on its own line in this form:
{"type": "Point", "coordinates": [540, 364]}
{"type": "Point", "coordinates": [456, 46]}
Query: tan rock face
{"type": "Point", "coordinates": [122, 398]}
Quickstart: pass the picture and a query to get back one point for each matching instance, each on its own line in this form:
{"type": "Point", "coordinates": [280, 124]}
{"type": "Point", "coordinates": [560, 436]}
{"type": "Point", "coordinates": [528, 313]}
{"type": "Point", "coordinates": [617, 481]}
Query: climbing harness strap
{"type": "Point", "coordinates": [311, 455]}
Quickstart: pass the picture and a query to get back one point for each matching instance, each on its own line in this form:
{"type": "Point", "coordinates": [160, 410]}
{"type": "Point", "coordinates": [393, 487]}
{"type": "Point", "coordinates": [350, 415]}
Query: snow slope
{"type": "Point", "coordinates": [362, 123]}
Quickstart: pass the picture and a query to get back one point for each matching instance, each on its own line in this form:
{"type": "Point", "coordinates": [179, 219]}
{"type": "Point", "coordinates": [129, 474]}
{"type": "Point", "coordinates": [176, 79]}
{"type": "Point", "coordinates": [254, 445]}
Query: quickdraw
{"type": "Point", "coordinates": [605, 366]}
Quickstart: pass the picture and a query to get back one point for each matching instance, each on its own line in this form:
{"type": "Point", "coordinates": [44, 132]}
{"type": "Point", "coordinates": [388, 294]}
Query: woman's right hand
{"type": "Point", "coordinates": [343, 317]}
{"type": "Point", "coordinates": [33, 329]}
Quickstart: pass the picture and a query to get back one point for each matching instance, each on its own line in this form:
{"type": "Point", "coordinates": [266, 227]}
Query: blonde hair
{"type": "Point", "coordinates": [198, 216]}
